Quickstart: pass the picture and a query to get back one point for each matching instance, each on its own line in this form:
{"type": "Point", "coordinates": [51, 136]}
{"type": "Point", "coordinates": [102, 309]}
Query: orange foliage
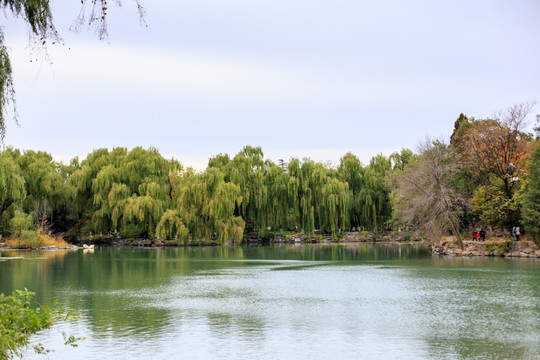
{"type": "Point", "coordinates": [496, 149]}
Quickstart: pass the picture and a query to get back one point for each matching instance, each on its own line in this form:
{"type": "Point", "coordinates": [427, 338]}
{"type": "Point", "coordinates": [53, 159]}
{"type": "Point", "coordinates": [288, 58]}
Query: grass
{"type": "Point", "coordinates": [28, 239]}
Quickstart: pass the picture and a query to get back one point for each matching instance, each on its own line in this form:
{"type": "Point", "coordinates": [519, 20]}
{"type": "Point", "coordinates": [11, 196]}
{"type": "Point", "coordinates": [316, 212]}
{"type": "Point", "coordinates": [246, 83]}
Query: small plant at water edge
{"type": "Point", "coordinates": [500, 246]}
{"type": "Point", "coordinates": [20, 320]}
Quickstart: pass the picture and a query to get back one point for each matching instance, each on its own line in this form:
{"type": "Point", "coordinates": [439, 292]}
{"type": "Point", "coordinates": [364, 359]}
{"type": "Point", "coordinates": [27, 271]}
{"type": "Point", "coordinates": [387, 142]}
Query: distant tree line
{"type": "Point", "coordinates": [487, 175]}
{"type": "Point", "coordinates": [140, 194]}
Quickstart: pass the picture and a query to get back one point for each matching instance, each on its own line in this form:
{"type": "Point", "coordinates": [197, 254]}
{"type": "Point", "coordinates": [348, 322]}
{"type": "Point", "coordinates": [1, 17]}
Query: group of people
{"type": "Point", "coordinates": [479, 235]}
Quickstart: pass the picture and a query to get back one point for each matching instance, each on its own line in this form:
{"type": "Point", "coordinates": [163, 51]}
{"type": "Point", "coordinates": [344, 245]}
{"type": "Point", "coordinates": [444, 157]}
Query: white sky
{"type": "Point", "coordinates": [296, 77]}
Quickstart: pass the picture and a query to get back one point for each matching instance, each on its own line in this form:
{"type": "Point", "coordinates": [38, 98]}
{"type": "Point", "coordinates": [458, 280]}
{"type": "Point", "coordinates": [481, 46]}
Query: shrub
{"type": "Point", "coordinates": [35, 239]}
{"type": "Point", "coordinates": [20, 320]}
{"type": "Point", "coordinates": [500, 246]}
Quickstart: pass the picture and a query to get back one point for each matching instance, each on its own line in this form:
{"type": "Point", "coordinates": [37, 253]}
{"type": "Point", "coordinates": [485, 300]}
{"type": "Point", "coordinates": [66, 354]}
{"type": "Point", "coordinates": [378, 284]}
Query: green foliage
{"type": "Point", "coordinates": [20, 320]}
{"type": "Point", "coordinates": [490, 204]}
{"type": "Point", "coordinates": [531, 198]}
{"type": "Point", "coordinates": [369, 203]}
{"type": "Point", "coordinates": [493, 156]}
{"type": "Point", "coordinates": [124, 189]}
{"type": "Point", "coordinates": [139, 194]}
{"type": "Point", "coordinates": [171, 227]}
{"type": "Point", "coordinates": [501, 246]}
{"type": "Point", "coordinates": [21, 222]}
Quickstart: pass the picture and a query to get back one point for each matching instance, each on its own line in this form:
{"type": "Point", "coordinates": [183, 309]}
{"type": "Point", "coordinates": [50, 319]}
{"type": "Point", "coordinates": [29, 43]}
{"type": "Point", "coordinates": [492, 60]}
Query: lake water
{"type": "Point", "coordinates": [383, 301]}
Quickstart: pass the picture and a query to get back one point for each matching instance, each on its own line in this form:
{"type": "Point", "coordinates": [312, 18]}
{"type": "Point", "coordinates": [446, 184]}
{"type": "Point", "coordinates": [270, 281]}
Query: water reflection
{"type": "Point", "coordinates": [323, 301]}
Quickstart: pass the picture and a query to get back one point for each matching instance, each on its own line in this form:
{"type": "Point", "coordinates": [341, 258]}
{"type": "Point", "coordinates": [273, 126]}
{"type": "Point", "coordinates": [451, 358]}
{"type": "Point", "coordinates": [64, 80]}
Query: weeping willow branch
{"type": "Point", "coordinates": [38, 16]}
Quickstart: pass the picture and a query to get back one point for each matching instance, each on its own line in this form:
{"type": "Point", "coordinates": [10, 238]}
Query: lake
{"type": "Point", "coordinates": [378, 301]}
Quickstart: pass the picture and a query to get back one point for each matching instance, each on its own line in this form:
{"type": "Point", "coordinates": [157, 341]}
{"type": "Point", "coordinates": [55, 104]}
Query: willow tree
{"type": "Point", "coordinates": [38, 16]}
{"type": "Point", "coordinates": [424, 194]}
{"type": "Point", "coordinates": [137, 216]}
{"type": "Point", "coordinates": [351, 171]}
{"type": "Point", "coordinates": [279, 202]}
{"type": "Point", "coordinates": [315, 179]}
{"type": "Point", "coordinates": [124, 191]}
{"type": "Point", "coordinates": [375, 197]}
{"type": "Point", "coordinates": [146, 175]}
{"type": "Point", "coordinates": [47, 191]}
{"type": "Point", "coordinates": [335, 202]}
{"type": "Point", "coordinates": [247, 171]}
{"type": "Point", "coordinates": [223, 163]}
{"type": "Point", "coordinates": [82, 181]}
{"type": "Point", "coordinates": [301, 195]}
{"type": "Point", "coordinates": [220, 211]}
{"type": "Point", "coordinates": [171, 226]}
{"type": "Point", "coordinates": [317, 198]}
{"type": "Point", "coordinates": [12, 189]}
{"type": "Point", "coordinates": [206, 204]}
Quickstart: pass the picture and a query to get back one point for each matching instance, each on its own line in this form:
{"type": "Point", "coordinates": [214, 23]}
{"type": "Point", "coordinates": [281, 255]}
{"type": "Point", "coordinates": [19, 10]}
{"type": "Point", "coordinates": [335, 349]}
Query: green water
{"type": "Point", "coordinates": [284, 302]}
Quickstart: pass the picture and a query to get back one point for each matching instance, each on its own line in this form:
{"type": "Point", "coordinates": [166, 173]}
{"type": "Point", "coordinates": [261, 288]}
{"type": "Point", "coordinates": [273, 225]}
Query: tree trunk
{"type": "Point", "coordinates": [458, 235]}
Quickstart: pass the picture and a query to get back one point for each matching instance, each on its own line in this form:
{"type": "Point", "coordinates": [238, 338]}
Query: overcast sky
{"type": "Point", "coordinates": [302, 78]}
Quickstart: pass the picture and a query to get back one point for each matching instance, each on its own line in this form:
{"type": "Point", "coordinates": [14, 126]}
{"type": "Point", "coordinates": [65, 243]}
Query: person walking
{"type": "Point", "coordinates": [518, 233]}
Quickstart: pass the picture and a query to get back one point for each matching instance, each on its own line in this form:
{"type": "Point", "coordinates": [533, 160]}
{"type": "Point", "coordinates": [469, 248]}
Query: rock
{"type": "Point", "coordinates": [527, 250]}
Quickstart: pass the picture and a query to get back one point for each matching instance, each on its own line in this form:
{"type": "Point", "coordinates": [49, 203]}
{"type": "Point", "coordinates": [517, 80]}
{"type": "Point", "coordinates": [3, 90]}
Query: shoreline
{"type": "Point", "coordinates": [502, 247]}
{"type": "Point", "coordinates": [447, 246]}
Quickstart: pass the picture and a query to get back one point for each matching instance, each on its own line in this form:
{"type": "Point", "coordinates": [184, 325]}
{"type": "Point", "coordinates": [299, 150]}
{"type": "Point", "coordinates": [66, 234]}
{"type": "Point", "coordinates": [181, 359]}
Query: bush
{"type": "Point", "coordinates": [500, 246]}
{"type": "Point", "coordinates": [130, 231]}
{"type": "Point", "coordinates": [20, 320]}
{"type": "Point", "coordinates": [24, 239]}
{"type": "Point", "coordinates": [35, 239]}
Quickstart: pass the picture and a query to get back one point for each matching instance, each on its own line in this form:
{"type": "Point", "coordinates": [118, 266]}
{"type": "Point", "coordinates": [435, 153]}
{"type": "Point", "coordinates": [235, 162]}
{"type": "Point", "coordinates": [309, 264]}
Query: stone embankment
{"type": "Point", "coordinates": [345, 237]}
{"type": "Point", "coordinates": [490, 247]}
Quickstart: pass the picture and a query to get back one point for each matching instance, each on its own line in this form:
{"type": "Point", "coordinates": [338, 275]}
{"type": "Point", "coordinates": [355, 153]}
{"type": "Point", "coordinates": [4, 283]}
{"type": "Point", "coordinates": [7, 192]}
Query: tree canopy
{"type": "Point", "coordinates": [139, 194]}
{"type": "Point", "coordinates": [486, 176]}
{"type": "Point", "coordinates": [424, 193]}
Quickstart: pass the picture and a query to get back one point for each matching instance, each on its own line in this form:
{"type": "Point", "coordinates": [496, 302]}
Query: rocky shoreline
{"type": "Point", "coordinates": [490, 247]}
{"type": "Point", "coordinates": [446, 246]}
